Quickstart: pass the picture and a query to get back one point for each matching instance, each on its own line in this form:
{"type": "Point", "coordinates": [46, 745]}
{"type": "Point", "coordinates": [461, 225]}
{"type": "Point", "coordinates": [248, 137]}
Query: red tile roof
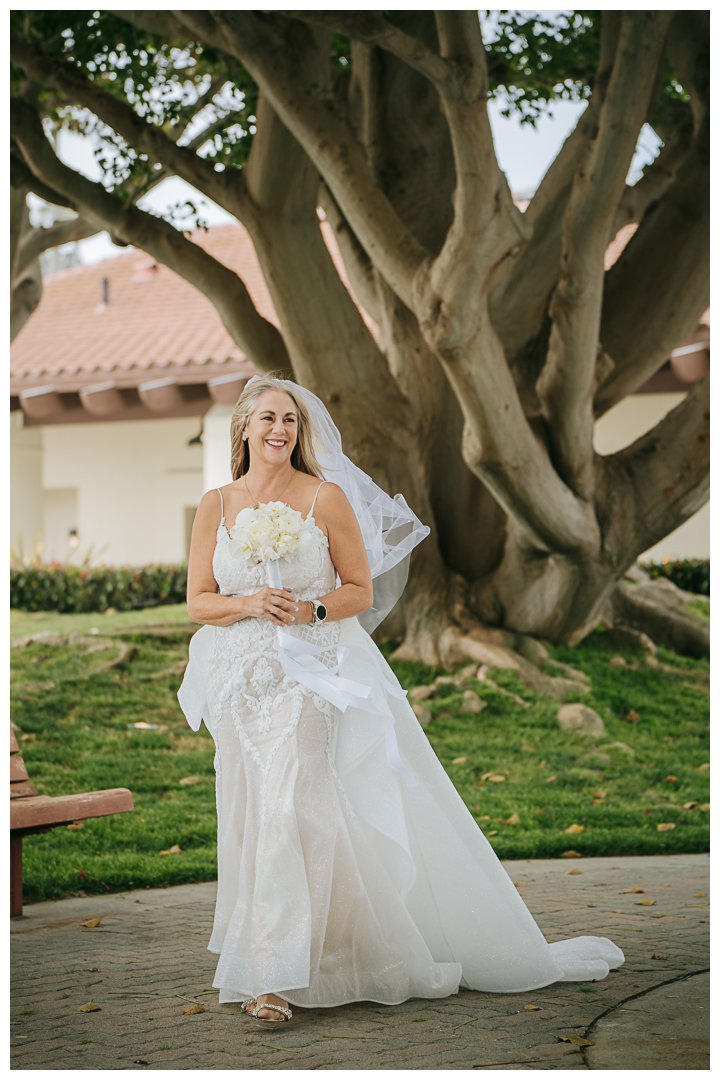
{"type": "Point", "coordinates": [153, 324]}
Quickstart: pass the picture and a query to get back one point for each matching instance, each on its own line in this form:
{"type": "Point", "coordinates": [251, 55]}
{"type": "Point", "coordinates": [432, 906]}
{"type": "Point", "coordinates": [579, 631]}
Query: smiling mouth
{"type": "Point", "coordinates": [277, 443]}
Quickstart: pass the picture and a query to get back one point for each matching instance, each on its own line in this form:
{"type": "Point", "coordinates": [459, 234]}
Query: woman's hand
{"type": "Point", "coordinates": [278, 606]}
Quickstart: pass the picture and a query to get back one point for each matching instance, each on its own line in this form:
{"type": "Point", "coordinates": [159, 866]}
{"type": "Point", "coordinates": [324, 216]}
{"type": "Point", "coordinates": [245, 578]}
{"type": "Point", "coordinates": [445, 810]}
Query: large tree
{"type": "Point", "coordinates": [500, 337]}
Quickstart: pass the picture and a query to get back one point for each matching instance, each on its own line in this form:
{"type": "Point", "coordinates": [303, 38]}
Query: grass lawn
{"type": "Point", "coordinates": [73, 725]}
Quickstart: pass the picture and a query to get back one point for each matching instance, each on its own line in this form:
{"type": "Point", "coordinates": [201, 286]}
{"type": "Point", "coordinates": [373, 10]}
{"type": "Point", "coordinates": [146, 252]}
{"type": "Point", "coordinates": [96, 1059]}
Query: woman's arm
{"type": "Point", "coordinates": [335, 515]}
{"type": "Point", "coordinates": [205, 605]}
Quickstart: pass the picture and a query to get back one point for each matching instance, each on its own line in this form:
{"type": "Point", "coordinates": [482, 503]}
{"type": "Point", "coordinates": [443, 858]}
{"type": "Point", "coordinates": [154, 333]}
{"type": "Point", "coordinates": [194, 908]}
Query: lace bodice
{"type": "Point", "coordinates": [308, 571]}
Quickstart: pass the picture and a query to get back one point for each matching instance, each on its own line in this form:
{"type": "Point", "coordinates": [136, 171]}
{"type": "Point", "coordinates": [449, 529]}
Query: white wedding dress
{"type": "Point", "coordinates": [337, 881]}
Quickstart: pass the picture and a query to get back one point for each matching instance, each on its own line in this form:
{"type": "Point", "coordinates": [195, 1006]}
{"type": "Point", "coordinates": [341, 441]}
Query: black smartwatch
{"type": "Point", "coordinates": [319, 612]}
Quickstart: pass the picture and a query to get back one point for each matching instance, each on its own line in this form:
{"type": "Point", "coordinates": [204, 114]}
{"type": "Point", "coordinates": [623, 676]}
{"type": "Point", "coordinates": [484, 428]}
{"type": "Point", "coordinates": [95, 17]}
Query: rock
{"type": "Point", "coordinates": [652, 661]}
{"type": "Point", "coordinates": [618, 661]}
{"type": "Point", "coordinates": [444, 680]}
{"type": "Point", "coordinates": [468, 672]}
{"type": "Point", "coordinates": [599, 759]}
{"type": "Point", "coordinates": [421, 693]}
{"type": "Point", "coordinates": [472, 703]}
{"type": "Point", "coordinates": [622, 746]}
{"type": "Point", "coordinates": [423, 714]}
{"type": "Point", "coordinates": [629, 636]}
{"type": "Point", "coordinates": [580, 718]}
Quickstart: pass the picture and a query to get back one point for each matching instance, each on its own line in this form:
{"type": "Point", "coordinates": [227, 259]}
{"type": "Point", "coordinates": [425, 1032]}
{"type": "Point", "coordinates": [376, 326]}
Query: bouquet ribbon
{"type": "Point", "coordinates": [300, 662]}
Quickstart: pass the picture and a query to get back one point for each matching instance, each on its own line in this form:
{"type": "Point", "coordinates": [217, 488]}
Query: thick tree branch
{"type": "Point", "coordinates": [23, 177]}
{"type": "Point", "coordinates": [568, 380]}
{"type": "Point", "coordinates": [128, 225]}
{"type": "Point", "coordinates": [525, 282]}
{"type": "Point", "coordinates": [669, 468]}
{"type": "Point", "coordinates": [326, 140]}
{"type": "Point", "coordinates": [224, 188]}
{"type": "Point", "coordinates": [658, 176]}
{"type": "Point", "coordinates": [664, 269]}
{"type": "Point", "coordinates": [502, 450]}
{"type": "Point", "coordinates": [372, 29]}
{"type": "Point", "coordinates": [42, 239]}
{"type": "Point", "coordinates": [486, 225]}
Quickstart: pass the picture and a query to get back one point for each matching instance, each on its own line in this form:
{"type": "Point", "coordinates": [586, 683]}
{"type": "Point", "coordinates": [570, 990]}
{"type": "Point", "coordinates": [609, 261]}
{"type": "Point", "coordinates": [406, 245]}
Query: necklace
{"type": "Point", "coordinates": [281, 493]}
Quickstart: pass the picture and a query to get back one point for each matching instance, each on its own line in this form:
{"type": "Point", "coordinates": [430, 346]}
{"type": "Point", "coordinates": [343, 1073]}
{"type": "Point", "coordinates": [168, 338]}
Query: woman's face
{"type": "Point", "coordinates": [272, 428]}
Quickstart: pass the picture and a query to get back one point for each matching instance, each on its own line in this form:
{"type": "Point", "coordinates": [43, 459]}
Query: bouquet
{"type": "Point", "coordinates": [266, 532]}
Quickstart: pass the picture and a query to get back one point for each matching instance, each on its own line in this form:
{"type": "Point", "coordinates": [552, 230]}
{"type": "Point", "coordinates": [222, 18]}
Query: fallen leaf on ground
{"type": "Point", "coordinates": [89, 1006]}
{"type": "Point", "coordinates": [140, 1061]}
{"type": "Point", "coordinates": [634, 888]}
{"type": "Point", "coordinates": [485, 817]}
{"type": "Point", "coordinates": [514, 819]}
{"type": "Point", "coordinates": [493, 832]}
{"type": "Point", "coordinates": [574, 828]}
{"type": "Point", "coordinates": [519, 884]}
{"type": "Point", "coordinates": [550, 779]}
{"type": "Point", "coordinates": [93, 969]}
{"type": "Point", "coordinates": [697, 894]}
{"type": "Point", "coordinates": [689, 805]}
{"type": "Point", "coordinates": [646, 903]}
{"type": "Point", "coordinates": [164, 853]}
{"type": "Point", "coordinates": [189, 780]}
{"type": "Point", "coordinates": [31, 735]}
{"type": "Point", "coordinates": [705, 806]}
{"type": "Point", "coordinates": [600, 793]}
{"type": "Point", "coordinates": [75, 826]}
{"type": "Point", "coordinates": [176, 850]}
{"type": "Point", "coordinates": [571, 855]}
{"type": "Point", "coordinates": [575, 1040]}
{"type": "Point", "coordinates": [705, 765]}
{"type": "Point", "coordinates": [458, 761]}
{"type": "Point", "coordinates": [476, 807]}
{"type": "Point", "coordinates": [658, 956]}
{"type": "Point", "coordinates": [665, 826]}
{"type": "Point", "coordinates": [597, 802]}
{"type": "Point", "coordinates": [191, 1009]}
{"type": "Point", "coordinates": [670, 779]}
{"type": "Point", "coordinates": [573, 871]}
{"type": "Point", "coordinates": [534, 1008]}
{"type": "Point", "coordinates": [632, 717]}
{"type": "Point", "coordinates": [92, 922]}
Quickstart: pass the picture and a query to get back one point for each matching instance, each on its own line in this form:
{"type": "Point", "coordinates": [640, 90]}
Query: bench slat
{"type": "Point", "coordinates": [21, 789]}
{"type": "Point", "coordinates": [14, 748]}
{"type": "Point", "coordinates": [17, 769]}
{"type": "Point", "coordinates": [45, 810]}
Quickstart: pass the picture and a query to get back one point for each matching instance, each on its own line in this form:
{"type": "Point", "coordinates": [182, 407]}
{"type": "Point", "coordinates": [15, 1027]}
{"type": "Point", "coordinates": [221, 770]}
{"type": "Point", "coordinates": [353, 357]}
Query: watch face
{"type": "Point", "coordinates": [321, 612]}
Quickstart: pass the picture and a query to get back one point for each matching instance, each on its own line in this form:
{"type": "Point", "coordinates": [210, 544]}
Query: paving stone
{"type": "Point", "coordinates": [151, 951]}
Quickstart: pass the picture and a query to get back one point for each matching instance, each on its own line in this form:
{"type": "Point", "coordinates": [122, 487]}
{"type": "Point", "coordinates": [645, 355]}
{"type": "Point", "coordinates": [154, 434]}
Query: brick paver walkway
{"type": "Point", "coordinates": [147, 961]}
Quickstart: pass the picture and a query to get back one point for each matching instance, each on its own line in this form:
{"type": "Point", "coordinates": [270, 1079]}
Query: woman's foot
{"type": "Point", "coordinates": [264, 1010]}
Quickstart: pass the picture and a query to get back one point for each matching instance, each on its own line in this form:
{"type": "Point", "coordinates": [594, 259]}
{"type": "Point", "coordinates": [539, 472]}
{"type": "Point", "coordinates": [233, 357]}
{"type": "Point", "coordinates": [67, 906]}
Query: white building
{"type": "Point", "coordinates": [122, 387]}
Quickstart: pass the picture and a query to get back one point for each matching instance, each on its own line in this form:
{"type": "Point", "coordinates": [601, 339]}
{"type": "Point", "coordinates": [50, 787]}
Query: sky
{"type": "Point", "coordinates": [524, 154]}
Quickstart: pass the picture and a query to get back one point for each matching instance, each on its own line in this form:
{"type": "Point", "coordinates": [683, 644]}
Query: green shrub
{"type": "Point", "coordinates": [693, 575]}
{"type": "Point", "coordinates": [76, 589]}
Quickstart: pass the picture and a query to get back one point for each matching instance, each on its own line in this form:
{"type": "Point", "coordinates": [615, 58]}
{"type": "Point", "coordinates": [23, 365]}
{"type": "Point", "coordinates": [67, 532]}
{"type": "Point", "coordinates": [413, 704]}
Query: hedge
{"type": "Point", "coordinates": [693, 575]}
{"type": "Point", "coordinates": [76, 589]}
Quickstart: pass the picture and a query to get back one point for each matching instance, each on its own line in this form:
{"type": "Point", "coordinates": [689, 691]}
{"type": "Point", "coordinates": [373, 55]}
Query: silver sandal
{"type": "Point", "coordinates": [245, 1007]}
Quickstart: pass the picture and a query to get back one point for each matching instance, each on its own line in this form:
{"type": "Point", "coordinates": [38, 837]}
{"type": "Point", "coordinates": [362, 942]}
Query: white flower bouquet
{"type": "Point", "coordinates": [266, 532]}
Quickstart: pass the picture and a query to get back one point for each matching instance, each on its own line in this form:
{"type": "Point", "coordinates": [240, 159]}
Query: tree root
{"type": "Point", "coordinates": [451, 636]}
{"type": "Point", "coordinates": [651, 612]}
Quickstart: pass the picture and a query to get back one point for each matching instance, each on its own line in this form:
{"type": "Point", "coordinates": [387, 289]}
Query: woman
{"type": "Point", "coordinates": [348, 866]}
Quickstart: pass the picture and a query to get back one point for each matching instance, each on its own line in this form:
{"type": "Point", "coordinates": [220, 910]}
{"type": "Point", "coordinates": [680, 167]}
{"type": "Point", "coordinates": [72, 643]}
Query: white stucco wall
{"type": "Point", "coordinates": [134, 481]}
{"type": "Point", "coordinates": [26, 489]}
{"type": "Point", "coordinates": [619, 427]}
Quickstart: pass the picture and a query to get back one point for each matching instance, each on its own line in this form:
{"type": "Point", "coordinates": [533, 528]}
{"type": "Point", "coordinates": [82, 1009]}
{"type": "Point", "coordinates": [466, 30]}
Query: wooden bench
{"type": "Point", "coordinates": [32, 813]}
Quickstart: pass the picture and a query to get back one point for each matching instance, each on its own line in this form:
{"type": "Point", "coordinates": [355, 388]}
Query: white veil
{"type": "Point", "coordinates": [389, 527]}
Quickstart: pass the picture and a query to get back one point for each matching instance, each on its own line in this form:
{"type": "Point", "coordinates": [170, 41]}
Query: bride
{"type": "Point", "coordinates": [348, 866]}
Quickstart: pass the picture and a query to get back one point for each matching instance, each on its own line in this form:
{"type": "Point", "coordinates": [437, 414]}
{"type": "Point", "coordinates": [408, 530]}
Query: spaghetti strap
{"type": "Point", "coordinates": [222, 506]}
{"type": "Point", "coordinates": [316, 495]}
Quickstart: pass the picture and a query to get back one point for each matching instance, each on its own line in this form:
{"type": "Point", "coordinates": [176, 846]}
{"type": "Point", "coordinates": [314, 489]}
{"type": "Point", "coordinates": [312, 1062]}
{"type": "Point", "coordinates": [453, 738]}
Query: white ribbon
{"type": "Point", "coordinates": [299, 660]}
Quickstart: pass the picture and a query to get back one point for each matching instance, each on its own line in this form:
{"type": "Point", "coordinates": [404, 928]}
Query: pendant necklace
{"type": "Point", "coordinates": [281, 493]}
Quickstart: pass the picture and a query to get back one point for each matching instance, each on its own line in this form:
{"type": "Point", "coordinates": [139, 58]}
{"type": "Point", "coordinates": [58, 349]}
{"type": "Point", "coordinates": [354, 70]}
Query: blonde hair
{"type": "Point", "coordinates": [303, 455]}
